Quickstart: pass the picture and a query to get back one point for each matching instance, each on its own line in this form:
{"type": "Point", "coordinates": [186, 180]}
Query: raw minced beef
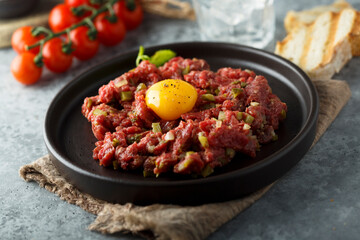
{"type": "Point", "coordinates": [241, 114]}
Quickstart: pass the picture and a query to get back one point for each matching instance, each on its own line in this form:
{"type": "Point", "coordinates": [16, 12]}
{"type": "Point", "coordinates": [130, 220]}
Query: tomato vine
{"type": "Point", "coordinates": [77, 27]}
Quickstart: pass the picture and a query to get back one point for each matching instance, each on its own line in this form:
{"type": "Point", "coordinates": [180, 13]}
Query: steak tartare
{"type": "Point", "coordinates": [234, 111]}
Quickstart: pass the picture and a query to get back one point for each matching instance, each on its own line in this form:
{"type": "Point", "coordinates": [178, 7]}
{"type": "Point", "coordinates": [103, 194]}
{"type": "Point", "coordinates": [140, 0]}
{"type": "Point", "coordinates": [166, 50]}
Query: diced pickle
{"type": "Point", "coordinates": [236, 92]}
{"type": "Point", "coordinates": [133, 138]}
{"type": "Point", "coordinates": [247, 126]}
{"type": "Point", "coordinates": [189, 153]}
{"type": "Point", "coordinates": [148, 174]}
{"type": "Point", "coordinates": [208, 106]}
{"type": "Point", "coordinates": [126, 96]}
{"type": "Point", "coordinates": [221, 116]}
{"type": "Point", "coordinates": [218, 123]}
{"type": "Point", "coordinates": [121, 83]}
{"type": "Point", "coordinates": [184, 164]}
{"type": "Point", "coordinates": [140, 87]}
{"type": "Point", "coordinates": [115, 142]}
{"type": "Point", "coordinates": [239, 116]}
{"type": "Point", "coordinates": [207, 170]}
{"type": "Point", "coordinates": [208, 97]}
{"type": "Point", "coordinates": [243, 84]}
{"type": "Point", "coordinates": [89, 103]}
{"type": "Point", "coordinates": [203, 140]}
{"type": "Point", "coordinates": [283, 114]}
{"type": "Point", "coordinates": [156, 127]}
{"type": "Point", "coordinates": [275, 137]}
{"type": "Point", "coordinates": [230, 152]}
{"type": "Point", "coordinates": [186, 70]}
{"type": "Point", "coordinates": [249, 119]}
{"type": "Point", "coordinates": [98, 112]}
{"type": "Point", "coordinates": [248, 71]}
{"type": "Point", "coordinates": [115, 165]}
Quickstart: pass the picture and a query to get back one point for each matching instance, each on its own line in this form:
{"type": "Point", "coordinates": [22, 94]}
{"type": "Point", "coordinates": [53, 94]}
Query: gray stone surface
{"type": "Point", "coordinates": [317, 199]}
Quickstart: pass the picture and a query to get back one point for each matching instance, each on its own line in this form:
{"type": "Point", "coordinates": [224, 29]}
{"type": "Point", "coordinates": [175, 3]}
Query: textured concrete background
{"type": "Point", "coordinates": [317, 199]}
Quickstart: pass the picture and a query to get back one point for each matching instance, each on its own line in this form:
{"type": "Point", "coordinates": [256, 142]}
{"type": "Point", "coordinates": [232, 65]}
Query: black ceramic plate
{"type": "Point", "coordinates": [70, 141]}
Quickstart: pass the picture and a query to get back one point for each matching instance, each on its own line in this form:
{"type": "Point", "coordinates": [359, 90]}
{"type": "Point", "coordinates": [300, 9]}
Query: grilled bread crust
{"type": "Point", "coordinates": [323, 47]}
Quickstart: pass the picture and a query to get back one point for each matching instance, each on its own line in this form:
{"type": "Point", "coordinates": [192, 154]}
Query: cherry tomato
{"type": "Point", "coordinates": [131, 18]}
{"type": "Point", "coordinates": [24, 68]}
{"type": "Point", "coordinates": [61, 17]}
{"type": "Point", "coordinates": [76, 3]}
{"type": "Point", "coordinates": [22, 37]}
{"type": "Point", "coordinates": [85, 48]}
{"type": "Point", "coordinates": [109, 33]}
{"type": "Point", "coordinates": [54, 58]}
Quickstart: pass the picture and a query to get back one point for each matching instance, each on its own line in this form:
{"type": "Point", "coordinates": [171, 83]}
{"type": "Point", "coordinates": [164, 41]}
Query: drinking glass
{"type": "Point", "coordinates": [247, 22]}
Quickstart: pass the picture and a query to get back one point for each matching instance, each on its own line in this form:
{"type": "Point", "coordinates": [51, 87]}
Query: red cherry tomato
{"type": "Point", "coordinates": [131, 18]}
{"type": "Point", "coordinates": [22, 37]}
{"type": "Point", "coordinates": [84, 47]}
{"type": "Point", "coordinates": [76, 3]}
{"type": "Point", "coordinates": [61, 17]}
{"type": "Point", "coordinates": [109, 33]}
{"type": "Point", "coordinates": [24, 68]}
{"type": "Point", "coordinates": [54, 58]}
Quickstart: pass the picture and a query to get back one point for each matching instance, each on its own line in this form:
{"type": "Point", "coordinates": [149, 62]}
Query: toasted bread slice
{"type": "Point", "coordinates": [307, 17]}
{"type": "Point", "coordinates": [324, 47]}
{"type": "Point", "coordinates": [354, 37]}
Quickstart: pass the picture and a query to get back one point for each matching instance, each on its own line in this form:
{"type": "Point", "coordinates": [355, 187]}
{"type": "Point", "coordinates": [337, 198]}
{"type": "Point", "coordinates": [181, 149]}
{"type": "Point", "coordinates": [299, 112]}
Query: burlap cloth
{"type": "Point", "coordinates": [38, 16]}
{"type": "Point", "coordinates": [172, 221]}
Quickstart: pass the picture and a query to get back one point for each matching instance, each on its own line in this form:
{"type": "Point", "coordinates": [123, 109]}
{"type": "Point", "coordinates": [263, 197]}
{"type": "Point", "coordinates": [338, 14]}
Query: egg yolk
{"type": "Point", "coordinates": [170, 98]}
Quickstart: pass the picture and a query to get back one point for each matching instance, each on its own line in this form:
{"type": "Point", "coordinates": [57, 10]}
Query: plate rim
{"type": "Point", "coordinates": [268, 160]}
